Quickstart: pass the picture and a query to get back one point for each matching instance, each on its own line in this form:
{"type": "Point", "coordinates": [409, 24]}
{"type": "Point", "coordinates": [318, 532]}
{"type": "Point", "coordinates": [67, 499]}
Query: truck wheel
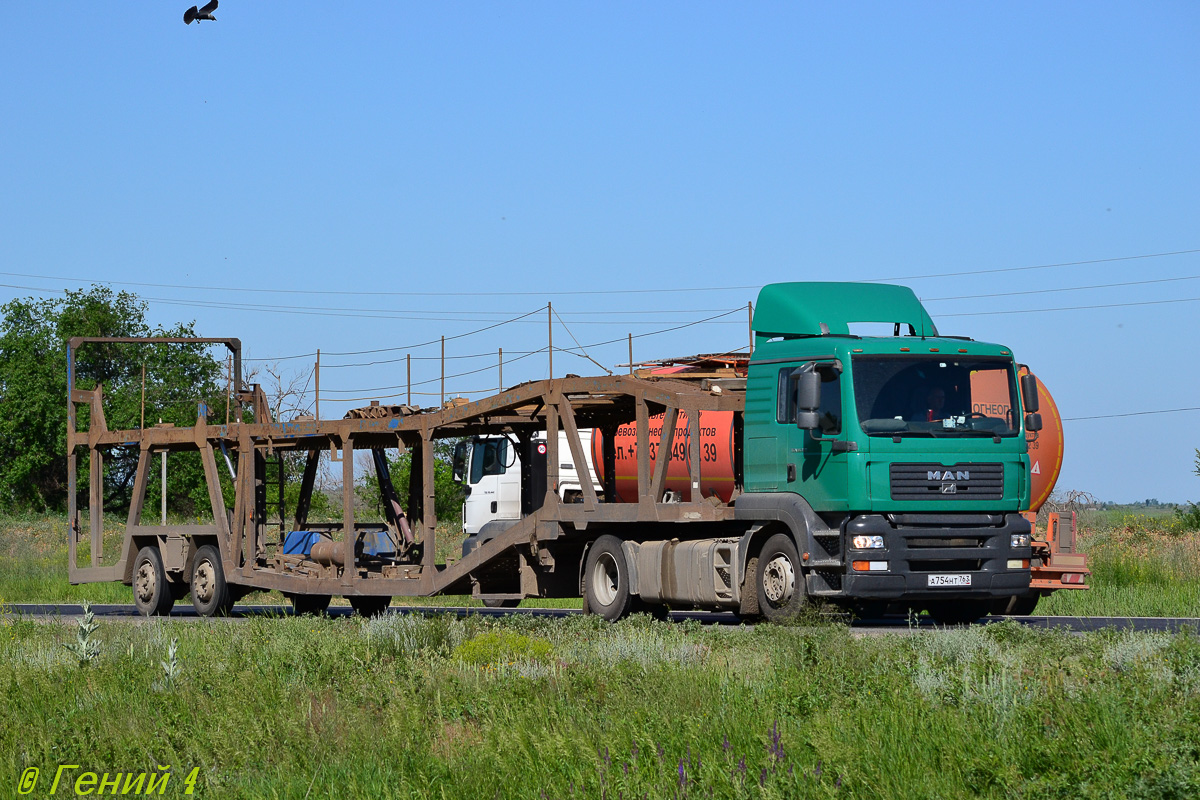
{"type": "Point", "coordinates": [369, 605]}
{"type": "Point", "coordinates": [606, 580]}
{"type": "Point", "coordinates": [869, 609]}
{"type": "Point", "coordinates": [501, 603]}
{"type": "Point", "coordinates": [780, 581]}
{"type": "Point", "coordinates": [958, 612]}
{"type": "Point", "coordinates": [313, 605]}
{"type": "Point", "coordinates": [152, 595]}
{"type": "Point", "coordinates": [1021, 605]}
{"type": "Point", "coordinates": [210, 592]}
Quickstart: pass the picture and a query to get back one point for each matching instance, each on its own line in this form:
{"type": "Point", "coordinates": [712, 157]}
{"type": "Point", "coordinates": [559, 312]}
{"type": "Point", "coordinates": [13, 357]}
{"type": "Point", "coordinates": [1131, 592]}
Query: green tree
{"type": "Point", "coordinates": [449, 494]}
{"type": "Point", "coordinates": [33, 394]}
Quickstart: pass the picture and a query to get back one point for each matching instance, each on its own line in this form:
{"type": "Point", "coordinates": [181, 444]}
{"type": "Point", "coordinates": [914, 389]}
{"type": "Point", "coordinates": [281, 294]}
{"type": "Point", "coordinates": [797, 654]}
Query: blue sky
{"type": "Point", "coordinates": [431, 157]}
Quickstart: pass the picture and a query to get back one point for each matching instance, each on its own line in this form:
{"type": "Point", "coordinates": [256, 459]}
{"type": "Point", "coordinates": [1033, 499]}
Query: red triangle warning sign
{"type": "Point", "coordinates": [1037, 468]}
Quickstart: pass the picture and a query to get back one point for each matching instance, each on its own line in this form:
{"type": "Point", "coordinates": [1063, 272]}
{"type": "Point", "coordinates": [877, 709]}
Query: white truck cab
{"type": "Point", "coordinates": [491, 474]}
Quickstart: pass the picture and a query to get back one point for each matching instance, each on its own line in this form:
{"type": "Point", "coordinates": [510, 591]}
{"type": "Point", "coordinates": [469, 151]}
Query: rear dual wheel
{"type": "Point", "coordinates": [313, 605]}
{"type": "Point", "coordinates": [606, 580]}
{"type": "Point", "coordinates": [153, 593]}
{"type": "Point", "coordinates": [211, 594]}
{"type": "Point", "coordinates": [369, 605]}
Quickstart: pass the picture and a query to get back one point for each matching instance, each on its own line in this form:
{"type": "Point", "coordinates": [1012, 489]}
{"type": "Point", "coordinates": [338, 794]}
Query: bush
{"type": "Point", "coordinates": [499, 647]}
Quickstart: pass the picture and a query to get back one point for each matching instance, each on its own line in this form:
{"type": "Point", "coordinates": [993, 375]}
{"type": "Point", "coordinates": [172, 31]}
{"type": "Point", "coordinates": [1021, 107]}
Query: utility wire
{"type": "Point", "coordinates": [581, 347]}
{"type": "Point", "coordinates": [327, 292]}
{"type": "Point", "coordinates": [1133, 414]}
{"type": "Point", "coordinates": [1066, 289]}
{"type": "Point", "coordinates": [434, 380]}
{"type": "Point", "coordinates": [542, 350]}
{"type": "Point", "coordinates": [1070, 308]}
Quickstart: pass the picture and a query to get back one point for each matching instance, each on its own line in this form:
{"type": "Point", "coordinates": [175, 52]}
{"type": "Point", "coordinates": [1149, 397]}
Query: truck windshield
{"type": "Point", "coordinates": [489, 457]}
{"type": "Point", "coordinates": [935, 396]}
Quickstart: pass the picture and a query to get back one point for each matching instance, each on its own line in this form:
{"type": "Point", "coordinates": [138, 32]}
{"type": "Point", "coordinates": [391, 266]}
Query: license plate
{"type": "Point", "coordinates": [949, 580]}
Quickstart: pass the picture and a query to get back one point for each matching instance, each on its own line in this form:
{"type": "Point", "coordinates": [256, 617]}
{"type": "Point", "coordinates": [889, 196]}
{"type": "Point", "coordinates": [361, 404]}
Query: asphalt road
{"type": "Point", "coordinates": [68, 612]}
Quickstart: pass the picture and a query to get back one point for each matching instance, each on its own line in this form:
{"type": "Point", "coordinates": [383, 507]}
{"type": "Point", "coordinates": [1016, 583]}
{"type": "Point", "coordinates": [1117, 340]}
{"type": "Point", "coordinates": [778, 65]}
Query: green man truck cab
{"type": "Point", "coordinates": [898, 464]}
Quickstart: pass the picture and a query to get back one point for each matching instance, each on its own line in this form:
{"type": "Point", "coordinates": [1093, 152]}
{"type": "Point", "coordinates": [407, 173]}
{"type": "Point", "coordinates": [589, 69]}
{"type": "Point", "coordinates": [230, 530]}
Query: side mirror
{"type": "Point", "coordinates": [1033, 422]}
{"type": "Point", "coordinates": [808, 399]}
{"type": "Point", "coordinates": [1029, 393]}
{"type": "Point", "coordinates": [808, 420]}
{"type": "Point", "coordinates": [460, 461]}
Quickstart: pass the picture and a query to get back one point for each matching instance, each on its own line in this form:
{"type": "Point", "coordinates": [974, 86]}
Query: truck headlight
{"type": "Point", "coordinates": [867, 542]}
{"type": "Point", "coordinates": [1020, 540]}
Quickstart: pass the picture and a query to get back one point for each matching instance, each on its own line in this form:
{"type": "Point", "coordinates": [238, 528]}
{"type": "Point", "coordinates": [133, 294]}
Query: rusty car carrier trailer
{"type": "Point", "coordinates": [540, 556]}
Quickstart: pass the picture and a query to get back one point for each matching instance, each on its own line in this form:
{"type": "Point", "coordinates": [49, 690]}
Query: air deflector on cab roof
{"type": "Point", "coordinates": [816, 309]}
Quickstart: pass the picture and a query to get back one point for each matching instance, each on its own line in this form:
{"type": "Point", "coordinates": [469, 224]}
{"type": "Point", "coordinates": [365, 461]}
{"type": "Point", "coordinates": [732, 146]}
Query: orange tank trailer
{"type": "Point", "coordinates": [717, 456]}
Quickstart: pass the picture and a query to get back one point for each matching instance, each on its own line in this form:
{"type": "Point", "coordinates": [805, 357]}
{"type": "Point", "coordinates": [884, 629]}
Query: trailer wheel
{"type": "Point", "coordinates": [210, 592]}
{"type": "Point", "coordinates": [780, 581]}
{"type": "Point", "coordinates": [152, 595]}
{"type": "Point", "coordinates": [958, 612]}
{"type": "Point", "coordinates": [501, 603]}
{"type": "Point", "coordinates": [313, 605]}
{"type": "Point", "coordinates": [369, 605]}
{"type": "Point", "coordinates": [606, 580]}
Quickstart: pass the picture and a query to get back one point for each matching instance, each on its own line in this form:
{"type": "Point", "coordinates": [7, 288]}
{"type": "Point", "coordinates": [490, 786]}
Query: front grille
{"type": "Point", "coordinates": [969, 481]}
{"type": "Point", "coordinates": [946, 565]}
{"type": "Point", "coordinates": [916, 543]}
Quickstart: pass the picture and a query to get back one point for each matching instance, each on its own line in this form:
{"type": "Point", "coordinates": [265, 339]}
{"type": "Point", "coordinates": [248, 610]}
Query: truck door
{"type": "Point", "coordinates": [488, 464]}
{"type": "Point", "coordinates": [816, 461]}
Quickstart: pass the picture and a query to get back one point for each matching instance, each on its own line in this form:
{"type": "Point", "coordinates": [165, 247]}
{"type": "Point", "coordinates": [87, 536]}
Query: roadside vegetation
{"type": "Point", "coordinates": [1142, 566]}
{"type": "Point", "coordinates": [404, 706]}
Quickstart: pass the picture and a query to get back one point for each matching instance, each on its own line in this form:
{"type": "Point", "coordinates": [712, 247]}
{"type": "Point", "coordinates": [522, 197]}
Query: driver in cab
{"type": "Point", "coordinates": [928, 405]}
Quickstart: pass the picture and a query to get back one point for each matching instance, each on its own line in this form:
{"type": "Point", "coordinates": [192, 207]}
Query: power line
{"type": "Point", "coordinates": [434, 380]}
{"type": "Point", "coordinates": [1110, 416]}
{"type": "Point", "coordinates": [1036, 266]}
{"type": "Point", "coordinates": [590, 292]}
{"type": "Point", "coordinates": [1070, 308]}
{"type": "Point", "coordinates": [1065, 289]}
{"type": "Point", "coordinates": [542, 350]}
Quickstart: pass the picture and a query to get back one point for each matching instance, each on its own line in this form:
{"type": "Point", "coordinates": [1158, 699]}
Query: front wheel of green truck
{"type": "Point", "coordinates": [1023, 605]}
{"type": "Point", "coordinates": [780, 580]}
{"type": "Point", "coordinates": [958, 612]}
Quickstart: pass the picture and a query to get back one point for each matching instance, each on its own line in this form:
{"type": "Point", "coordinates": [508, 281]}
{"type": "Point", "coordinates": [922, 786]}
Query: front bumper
{"type": "Point", "coordinates": [919, 545]}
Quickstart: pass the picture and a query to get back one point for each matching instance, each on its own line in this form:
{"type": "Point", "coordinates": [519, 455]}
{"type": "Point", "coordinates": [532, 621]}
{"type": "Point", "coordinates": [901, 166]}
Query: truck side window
{"type": "Point", "coordinates": [489, 458]}
{"type": "Point", "coordinates": [830, 410]}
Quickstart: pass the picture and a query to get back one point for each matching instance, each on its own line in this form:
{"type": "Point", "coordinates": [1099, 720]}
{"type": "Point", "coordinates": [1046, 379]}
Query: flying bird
{"type": "Point", "coordinates": [194, 13]}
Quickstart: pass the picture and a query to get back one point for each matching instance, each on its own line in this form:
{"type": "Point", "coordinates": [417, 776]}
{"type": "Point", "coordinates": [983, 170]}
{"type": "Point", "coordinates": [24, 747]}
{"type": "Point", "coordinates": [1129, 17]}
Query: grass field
{"type": "Point", "coordinates": [413, 707]}
{"type": "Point", "coordinates": [1142, 566]}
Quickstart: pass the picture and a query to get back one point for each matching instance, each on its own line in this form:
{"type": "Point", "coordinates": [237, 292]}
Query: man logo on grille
{"type": "Point", "coordinates": [949, 488]}
{"type": "Point", "coordinates": [948, 475]}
